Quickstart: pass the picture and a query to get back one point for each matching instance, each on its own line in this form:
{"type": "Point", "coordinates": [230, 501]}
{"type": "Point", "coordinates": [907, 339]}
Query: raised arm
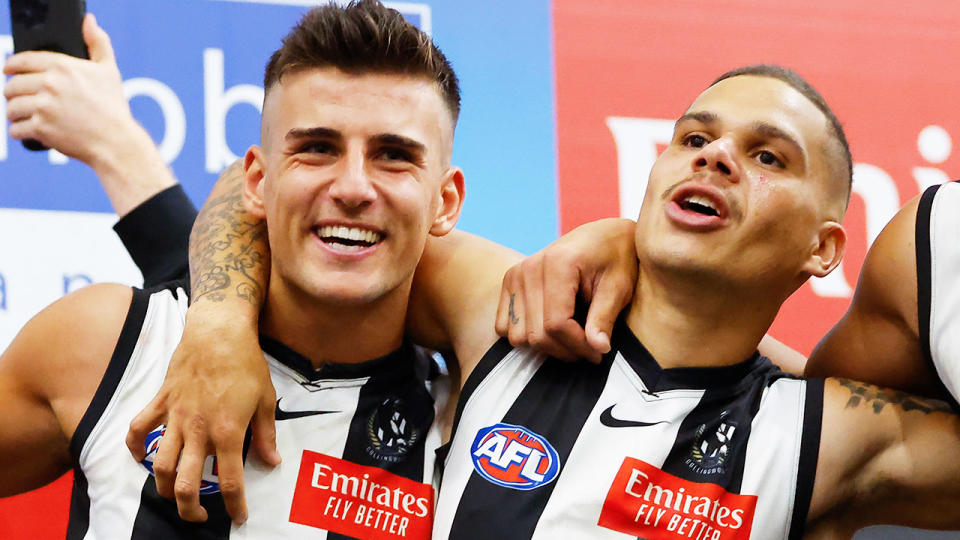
{"type": "Point", "coordinates": [885, 457]}
{"type": "Point", "coordinates": [218, 382]}
{"type": "Point", "coordinates": [877, 339]}
{"type": "Point", "coordinates": [78, 107]}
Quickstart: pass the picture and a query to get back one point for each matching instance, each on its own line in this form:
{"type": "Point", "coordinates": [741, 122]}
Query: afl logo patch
{"type": "Point", "coordinates": [209, 482]}
{"type": "Point", "coordinates": [514, 457]}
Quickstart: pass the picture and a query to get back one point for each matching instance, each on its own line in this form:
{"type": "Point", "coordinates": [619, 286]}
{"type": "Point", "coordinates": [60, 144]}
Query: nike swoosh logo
{"type": "Point", "coordinates": [289, 415]}
{"type": "Point", "coordinates": [607, 419]}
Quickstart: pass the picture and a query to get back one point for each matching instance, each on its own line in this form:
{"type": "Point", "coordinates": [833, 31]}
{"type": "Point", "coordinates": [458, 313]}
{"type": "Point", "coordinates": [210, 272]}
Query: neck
{"type": "Point", "coordinates": [689, 321]}
{"type": "Point", "coordinates": [334, 332]}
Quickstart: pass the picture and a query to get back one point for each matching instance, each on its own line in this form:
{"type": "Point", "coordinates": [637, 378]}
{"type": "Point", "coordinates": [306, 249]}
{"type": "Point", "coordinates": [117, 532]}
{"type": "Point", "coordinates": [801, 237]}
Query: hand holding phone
{"type": "Point", "coordinates": [48, 25]}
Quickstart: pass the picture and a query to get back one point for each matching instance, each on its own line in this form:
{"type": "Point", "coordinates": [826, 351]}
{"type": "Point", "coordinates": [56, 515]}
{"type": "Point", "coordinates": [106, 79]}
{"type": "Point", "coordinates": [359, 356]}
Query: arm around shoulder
{"type": "Point", "coordinates": [456, 288]}
{"type": "Point", "coordinates": [48, 375]}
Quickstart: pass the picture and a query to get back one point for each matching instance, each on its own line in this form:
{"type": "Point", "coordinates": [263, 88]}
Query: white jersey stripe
{"type": "Point", "coordinates": [938, 219]}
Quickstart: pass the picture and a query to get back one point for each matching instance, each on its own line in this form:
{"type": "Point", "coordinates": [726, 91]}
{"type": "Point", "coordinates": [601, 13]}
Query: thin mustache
{"type": "Point", "coordinates": [733, 205]}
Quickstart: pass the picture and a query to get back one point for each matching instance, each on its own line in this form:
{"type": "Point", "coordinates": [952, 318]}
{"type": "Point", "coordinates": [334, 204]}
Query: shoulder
{"type": "Point", "coordinates": [60, 355]}
{"type": "Point", "coordinates": [892, 259]}
{"type": "Point", "coordinates": [877, 339]}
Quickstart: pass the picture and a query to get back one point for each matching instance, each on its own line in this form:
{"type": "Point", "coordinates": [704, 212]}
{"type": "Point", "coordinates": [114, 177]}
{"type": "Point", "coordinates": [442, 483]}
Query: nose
{"type": "Point", "coordinates": [718, 156]}
{"type": "Point", "coordinates": [353, 188]}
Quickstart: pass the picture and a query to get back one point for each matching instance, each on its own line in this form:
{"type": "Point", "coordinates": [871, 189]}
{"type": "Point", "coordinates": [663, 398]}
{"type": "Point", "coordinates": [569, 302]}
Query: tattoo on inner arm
{"type": "Point", "coordinates": [878, 398]}
{"type": "Point", "coordinates": [513, 315]}
{"type": "Point", "coordinates": [225, 242]}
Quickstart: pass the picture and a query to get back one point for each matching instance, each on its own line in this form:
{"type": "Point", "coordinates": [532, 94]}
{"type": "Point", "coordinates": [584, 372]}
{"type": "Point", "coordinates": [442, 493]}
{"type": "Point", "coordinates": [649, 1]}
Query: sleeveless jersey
{"type": "Point", "coordinates": [626, 449]}
{"type": "Point", "coordinates": [938, 282]}
{"type": "Point", "coordinates": [358, 444]}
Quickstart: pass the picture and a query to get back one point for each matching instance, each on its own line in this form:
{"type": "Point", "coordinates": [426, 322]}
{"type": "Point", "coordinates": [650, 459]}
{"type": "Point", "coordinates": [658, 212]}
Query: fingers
{"type": "Point", "coordinates": [165, 461]}
{"type": "Point", "coordinates": [186, 487]}
{"type": "Point", "coordinates": [32, 61]}
{"type": "Point", "coordinates": [510, 323]}
{"type": "Point", "coordinates": [98, 41]}
{"type": "Point", "coordinates": [502, 324]}
{"type": "Point", "coordinates": [609, 299]}
{"type": "Point", "coordinates": [141, 425]}
{"type": "Point", "coordinates": [23, 85]}
{"type": "Point", "coordinates": [563, 283]}
{"type": "Point", "coordinates": [22, 113]}
{"type": "Point", "coordinates": [229, 445]}
{"type": "Point", "coordinates": [265, 432]}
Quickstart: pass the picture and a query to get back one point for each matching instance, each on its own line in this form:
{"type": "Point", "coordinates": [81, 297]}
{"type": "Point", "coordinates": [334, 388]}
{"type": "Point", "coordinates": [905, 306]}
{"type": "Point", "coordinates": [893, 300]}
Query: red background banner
{"type": "Point", "coordinates": [887, 70]}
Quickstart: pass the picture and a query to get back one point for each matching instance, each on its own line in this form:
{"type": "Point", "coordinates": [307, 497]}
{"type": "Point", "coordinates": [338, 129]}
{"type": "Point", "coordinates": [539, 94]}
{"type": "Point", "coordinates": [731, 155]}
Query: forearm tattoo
{"type": "Point", "coordinates": [878, 398]}
{"type": "Point", "coordinates": [228, 248]}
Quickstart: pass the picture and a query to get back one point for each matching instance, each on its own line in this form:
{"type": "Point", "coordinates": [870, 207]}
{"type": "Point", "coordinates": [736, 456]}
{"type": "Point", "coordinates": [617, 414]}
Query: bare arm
{"type": "Point", "coordinates": [885, 457]}
{"type": "Point", "coordinates": [877, 339]}
{"type": "Point", "coordinates": [78, 107]}
{"type": "Point", "coordinates": [48, 376]}
{"type": "Point", "coordinates": [782, 355]}
{"type": "Point", "coordinates": [218, 382]}
{"type": "Point", "coordinates": [456, 289]}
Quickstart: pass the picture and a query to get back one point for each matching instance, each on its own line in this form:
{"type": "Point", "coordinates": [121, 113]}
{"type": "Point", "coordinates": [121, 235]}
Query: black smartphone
{"type": "Point", "coordinates": [48, 25]}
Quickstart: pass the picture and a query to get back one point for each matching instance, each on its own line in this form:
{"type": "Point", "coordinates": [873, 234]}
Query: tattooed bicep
{"type": "Point", "coordinates": [875, 398]}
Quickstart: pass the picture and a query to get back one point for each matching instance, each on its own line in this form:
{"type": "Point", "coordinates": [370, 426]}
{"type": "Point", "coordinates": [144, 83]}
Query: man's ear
{"type": "Point", "coordinates": [451, 202]}
{"type": "Point", "coordinates": [827, 254]}
{"type": "Point", "coordinates": [253, 182]}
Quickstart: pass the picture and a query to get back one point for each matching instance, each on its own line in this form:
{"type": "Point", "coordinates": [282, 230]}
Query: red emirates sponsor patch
{"type": "Point", "coordinates": [363, 502]}
{"type": "Point", "coordinates": [647, 502]}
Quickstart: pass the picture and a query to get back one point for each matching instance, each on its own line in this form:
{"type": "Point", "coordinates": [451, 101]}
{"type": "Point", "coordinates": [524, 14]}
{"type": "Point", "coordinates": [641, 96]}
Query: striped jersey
{"type": "Point", "coordinates": [626, 449]}
{"type": "Point", "coordinates": [358, 444]}
{"type": "Point", "coordinates": [938, 289]}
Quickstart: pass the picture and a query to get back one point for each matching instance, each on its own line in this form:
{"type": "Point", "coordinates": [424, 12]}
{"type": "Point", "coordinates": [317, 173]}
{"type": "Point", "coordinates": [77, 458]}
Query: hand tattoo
{"type": "Point", "coordinates": [878, 398]}
{"type": "Point", "coordinates": [513, 316]}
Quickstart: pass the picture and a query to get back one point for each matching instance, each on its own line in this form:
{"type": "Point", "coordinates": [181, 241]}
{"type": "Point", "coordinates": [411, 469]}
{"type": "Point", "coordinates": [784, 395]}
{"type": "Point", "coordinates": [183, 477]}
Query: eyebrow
{"type": "Point", "coordinates": [383, 138]}
{"type": "Point", "coordinates": [401, 141]}
{"type": "Point", "coordinates": [763, 129]}
{"type": "Point", "coordinates": [312, 133]}
{"type": "Point", "coordinates": [704, 117]}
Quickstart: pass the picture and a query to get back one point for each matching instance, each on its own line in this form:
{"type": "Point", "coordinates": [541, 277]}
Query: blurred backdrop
{"type": "Point", "coordinates": [565, 106]}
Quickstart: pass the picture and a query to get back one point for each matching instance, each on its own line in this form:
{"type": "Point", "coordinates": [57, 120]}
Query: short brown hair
{"type": "Point", "coordinates": [362, 37]}
{"type": "Point", "coordinates": [800, 84]}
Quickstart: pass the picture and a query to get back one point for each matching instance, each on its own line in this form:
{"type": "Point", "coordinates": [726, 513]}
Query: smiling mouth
{"type": "Point", "coordinates": [699, 204]}
{"type": "Point", "coordinates": [348, 238]}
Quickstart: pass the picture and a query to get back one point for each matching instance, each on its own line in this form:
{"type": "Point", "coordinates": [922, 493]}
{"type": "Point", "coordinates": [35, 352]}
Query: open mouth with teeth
{"type": "Point", "coordinates": [348, 238]}
{"type": "Point", "coordinates": [699, 204]}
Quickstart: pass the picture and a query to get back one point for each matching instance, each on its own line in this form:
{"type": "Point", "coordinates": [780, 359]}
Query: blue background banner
{"type": "Point", "coordinates": [197, 67]}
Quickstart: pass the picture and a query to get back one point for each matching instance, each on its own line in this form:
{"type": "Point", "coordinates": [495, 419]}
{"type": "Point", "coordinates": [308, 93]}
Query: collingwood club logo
{"type": "Point", "coordinates": [390, 432]}
{"type": "Point", "coordinates": [710, 452]}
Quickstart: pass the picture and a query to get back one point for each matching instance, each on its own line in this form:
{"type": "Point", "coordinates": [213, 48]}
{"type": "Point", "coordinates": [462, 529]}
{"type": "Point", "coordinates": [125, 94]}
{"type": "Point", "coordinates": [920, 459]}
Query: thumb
{"type": "Point", "coordinates": [265, 434]}
{"type": "Point", "coordinates": [607, 303]}
{"type": "Point", "coordinates": [97, 40]}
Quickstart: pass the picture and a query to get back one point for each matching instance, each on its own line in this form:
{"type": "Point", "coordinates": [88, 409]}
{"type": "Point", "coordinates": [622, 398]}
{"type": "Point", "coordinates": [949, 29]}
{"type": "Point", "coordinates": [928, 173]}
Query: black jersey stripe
{"type": "Point", "coordinates": [809, 455]}
{"type": "Point", "coordinates": [372, 440]}
{"type": "Point", "coordinates": [487, 510]}
{"type": "Point", "coordinates": [127, 341]}
{"type": "Point", "coordinates": [925, 286]}
{"type": "Point", "coordinates": [711, 444]}
{"type": "Point", "coordinates": [79, 520]}
{"type": "Point", "coordinates": [157, 518]}
{"type": "Point", "coordinates": [490, 359]}
{"type": "Point", "coordinates": [79, 507]}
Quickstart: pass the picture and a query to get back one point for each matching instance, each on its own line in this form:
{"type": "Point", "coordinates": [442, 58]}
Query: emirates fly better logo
{"type": "Point", "coordinates": [647, 502]}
